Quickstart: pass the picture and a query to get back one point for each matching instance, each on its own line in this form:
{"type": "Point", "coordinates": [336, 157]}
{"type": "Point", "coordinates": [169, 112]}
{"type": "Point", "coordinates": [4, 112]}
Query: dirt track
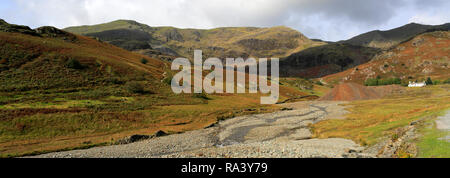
{"type": "Point", "coordinates": [281, 134]}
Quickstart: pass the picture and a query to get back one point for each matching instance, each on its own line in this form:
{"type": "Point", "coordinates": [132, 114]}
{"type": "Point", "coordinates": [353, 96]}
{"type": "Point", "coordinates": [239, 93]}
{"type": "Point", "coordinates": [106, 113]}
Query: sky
{"type": "Point", "coordinates": [330, 20]}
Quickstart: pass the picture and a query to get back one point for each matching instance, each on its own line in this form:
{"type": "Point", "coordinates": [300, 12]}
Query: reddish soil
{"type": "Point", "coordinates": [353, 91]}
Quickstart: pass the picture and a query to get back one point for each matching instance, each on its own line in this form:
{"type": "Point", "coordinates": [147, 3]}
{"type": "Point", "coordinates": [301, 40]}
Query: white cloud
{"type": "Point", "coordinates": [326, 19]}
{"type": "Point", "coordinates": [430, 19]}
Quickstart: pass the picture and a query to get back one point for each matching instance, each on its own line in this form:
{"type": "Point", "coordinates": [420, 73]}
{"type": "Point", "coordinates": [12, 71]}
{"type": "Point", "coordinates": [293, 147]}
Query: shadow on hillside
{"type": "Point", "coordinates": [324, 60]}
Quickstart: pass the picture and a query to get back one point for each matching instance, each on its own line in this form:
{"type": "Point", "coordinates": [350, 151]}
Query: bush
{"type": "Point", "coordinates": [74, 64]}
{"type": "Point", "coordinates": [429, 81]}
{"type": "Point", "coordinates": [144, 61]}
{"type": "Point", "coordinates": [168, 80]}
{"type": "Point", "coordinates": [371, 82]}
{"type": "Point", "coordinates": [319, 83]}
{"type": "Point", "coordinates": [447, 81]}
{"type": "Point", "coordinates": [135, 87]}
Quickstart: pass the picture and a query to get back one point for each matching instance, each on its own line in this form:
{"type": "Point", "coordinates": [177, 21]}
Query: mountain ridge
{"type": "Point", "coordinates": [279, 41]}
{"type": "Point", "coordinates": [389, 38]}
{"type": "Point", "coordinates": [425, 55]}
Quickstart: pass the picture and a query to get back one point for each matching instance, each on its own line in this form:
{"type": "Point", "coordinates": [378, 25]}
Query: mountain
{"type": "Point", "coordinates": [390, 38]}
{"type": "Point", "coordinates": [220, 42]}
{"type": "Point", "coordinates": [336, 57]}
{"type": "Point", "coordinates": [49, 58]}
{"type": "Point", "coordinates": [426, 55]}
{"type": "Point", "coordinates": [324, 60]}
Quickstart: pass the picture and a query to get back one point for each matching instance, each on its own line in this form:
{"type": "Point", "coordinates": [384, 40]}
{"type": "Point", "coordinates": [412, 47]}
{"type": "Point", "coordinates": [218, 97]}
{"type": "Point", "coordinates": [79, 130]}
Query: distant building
{"type": "Point", "coordinates": [415, 84]}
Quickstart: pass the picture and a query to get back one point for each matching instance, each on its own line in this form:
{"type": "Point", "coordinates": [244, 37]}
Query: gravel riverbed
{"type": "Point", "coordinates": [283, 134]}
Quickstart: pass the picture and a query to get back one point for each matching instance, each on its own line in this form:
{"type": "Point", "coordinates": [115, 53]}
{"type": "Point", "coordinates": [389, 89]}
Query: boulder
{"type": "Point", "coordinates": [133, 138]}
{"type": "Point", "coordinates": [160, 133]}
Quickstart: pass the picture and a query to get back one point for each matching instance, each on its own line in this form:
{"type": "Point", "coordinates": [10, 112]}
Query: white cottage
{"type": "Point", "coordinates": [414, 84]}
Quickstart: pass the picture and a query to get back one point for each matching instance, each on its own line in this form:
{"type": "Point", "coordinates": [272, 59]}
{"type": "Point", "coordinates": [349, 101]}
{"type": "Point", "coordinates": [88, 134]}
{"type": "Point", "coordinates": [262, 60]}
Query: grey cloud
{"type": "Point", "coordinates": [326, 19]}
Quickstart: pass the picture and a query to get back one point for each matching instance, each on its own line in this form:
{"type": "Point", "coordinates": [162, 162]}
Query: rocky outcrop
{"type": "Point", "coordinates": [52, 32]}
{"type": "Point", "coordinates": [6, 27]}
{"type": "Point", "coordinates": [137, 138]}
{"type": "Point", "coordinates": [173, 34]}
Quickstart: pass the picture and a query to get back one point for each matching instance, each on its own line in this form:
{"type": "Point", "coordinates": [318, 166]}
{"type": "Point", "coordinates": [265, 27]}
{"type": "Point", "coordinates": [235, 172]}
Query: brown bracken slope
{"type": "Point", "coordinates": [426, 55]}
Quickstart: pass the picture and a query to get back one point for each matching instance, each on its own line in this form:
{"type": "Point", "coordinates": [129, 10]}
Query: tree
{"type": "Point", "coordinates": [429, 81]}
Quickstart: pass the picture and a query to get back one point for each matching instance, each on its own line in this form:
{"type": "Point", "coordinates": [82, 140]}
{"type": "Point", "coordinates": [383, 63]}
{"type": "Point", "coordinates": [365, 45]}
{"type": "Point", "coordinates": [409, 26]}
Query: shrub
{"type": "Point", "coordinates": [447, 81]}
{"type": "Point", "coordinates": [168, 80]}
{"type": "Point", "coordinates": [74, 64]}
{"type": "Point", "coordinates": [135, 87]}
{"type": "Point", "coordinates": [429, 81]}
{"type": "Point", "coordinates": [201, 96]}
{"type": "Point", "coordinates": [144, 61]}
{"type": "Point", "coordinates": [371, 82]}
{"type": "Point", "coordinates": [378, 81]}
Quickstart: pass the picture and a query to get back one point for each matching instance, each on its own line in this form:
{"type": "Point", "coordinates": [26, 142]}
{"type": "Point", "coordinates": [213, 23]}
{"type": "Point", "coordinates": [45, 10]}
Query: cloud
{"type": "Point", "coordinates": [325, 19]}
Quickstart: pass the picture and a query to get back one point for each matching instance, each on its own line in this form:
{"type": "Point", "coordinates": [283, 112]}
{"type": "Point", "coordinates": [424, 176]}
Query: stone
{"type": "Point", "coordinates": [160, 133]}
{"type": "Point", "coordinates": [133, 138]}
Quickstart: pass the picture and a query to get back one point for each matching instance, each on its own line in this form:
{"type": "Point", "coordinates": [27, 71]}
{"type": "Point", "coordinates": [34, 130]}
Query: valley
{"type": "Point", "coordinates": [86, 91]}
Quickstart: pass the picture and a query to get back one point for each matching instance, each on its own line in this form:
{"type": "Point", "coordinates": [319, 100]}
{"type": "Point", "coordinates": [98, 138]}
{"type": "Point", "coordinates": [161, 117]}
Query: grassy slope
{"type": "Point", "coordinates": [426, 55]}
{"type": "Point", "coordinates": [119, 24]}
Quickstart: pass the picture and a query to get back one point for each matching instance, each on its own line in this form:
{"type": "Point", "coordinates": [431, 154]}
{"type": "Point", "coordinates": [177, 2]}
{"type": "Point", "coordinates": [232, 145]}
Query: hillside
{"type": "Point", "coordinates": [35, 59]}
{"type": "Point", "coordinates": [426, 55]}
{"type": "Point", "coordinates": [390, 38]}
{"type": "Point", "coordinates": [324, 60]}
{"type": "Point", "coordinates": [220, 42]}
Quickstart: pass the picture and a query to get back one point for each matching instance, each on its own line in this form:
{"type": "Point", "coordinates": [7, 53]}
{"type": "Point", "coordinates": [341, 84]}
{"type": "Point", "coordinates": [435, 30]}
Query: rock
{"type": "Point", "coordinates": [53, 32]}
{"type": "Point", "coordinates": [160, 133]}
{"type": "Point", "coordinates": [417, 42]}
{"type": "Point", "coordinates": [133, 138]}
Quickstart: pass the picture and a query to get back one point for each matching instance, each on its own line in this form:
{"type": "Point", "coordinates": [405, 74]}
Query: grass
{"type": "Point", "coordinates": [40, 121]}
{"type": "Point", "coordinates": [37, 127]}
{"type": "Point", "coordinates": [369, 121]}
{"type": "Point", "coordinates": [431, 144]}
